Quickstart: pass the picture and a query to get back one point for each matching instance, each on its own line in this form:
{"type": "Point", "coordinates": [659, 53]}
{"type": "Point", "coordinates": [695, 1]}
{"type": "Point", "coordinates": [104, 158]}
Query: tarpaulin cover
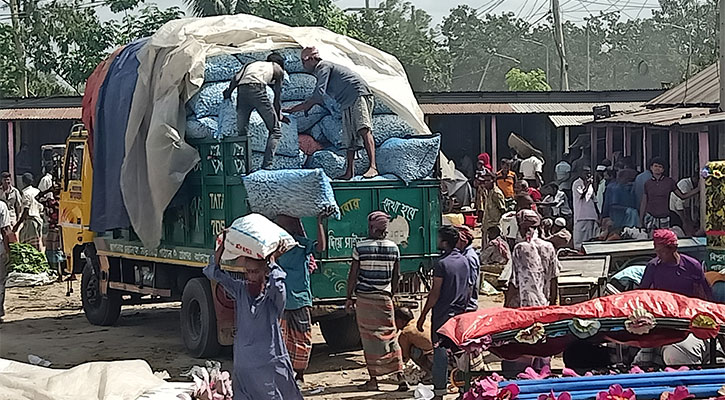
{"type": "Point", "coordinates": [114, 102]}
{"type": "Point", "coordinates": [117, 380]}
{"type": "Point", "coordinates": [172, 70]}
{"type": "Point", "coordinates": [90, 95]}
{"type": "Point", "coordinates": [467, 329]}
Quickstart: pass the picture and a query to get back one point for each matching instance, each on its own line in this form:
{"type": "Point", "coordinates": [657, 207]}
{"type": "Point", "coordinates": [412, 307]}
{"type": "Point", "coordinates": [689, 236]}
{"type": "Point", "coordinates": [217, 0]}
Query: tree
{"type": "Point", "coordinates": [143, 23]}
{"type": "Point", "coordinates": [404, 31]}
{"type": "Point", "coordinates": [532, 81]}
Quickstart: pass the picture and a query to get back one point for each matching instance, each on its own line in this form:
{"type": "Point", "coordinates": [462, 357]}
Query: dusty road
{"type": "Point", "coordinates": [44, 322]}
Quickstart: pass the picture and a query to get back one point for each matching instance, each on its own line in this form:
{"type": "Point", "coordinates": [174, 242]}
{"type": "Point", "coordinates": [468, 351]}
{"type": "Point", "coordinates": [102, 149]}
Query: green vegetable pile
{"type": "Point", "coordinates": [25, 258]}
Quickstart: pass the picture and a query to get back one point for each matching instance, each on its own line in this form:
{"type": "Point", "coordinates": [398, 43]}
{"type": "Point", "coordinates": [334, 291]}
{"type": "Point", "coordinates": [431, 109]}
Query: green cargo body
{"type": "Point", "coordinates": [213, 196]}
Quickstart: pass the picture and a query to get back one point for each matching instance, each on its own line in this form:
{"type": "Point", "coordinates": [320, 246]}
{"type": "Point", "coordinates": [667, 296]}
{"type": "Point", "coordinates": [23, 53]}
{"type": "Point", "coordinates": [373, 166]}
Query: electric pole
{"type": "Point", "coordinates": [722, 56]}
{"type": "Point", "coordinates": [559, 39]}
{"type": "Point", "coordinates": [22, 80]}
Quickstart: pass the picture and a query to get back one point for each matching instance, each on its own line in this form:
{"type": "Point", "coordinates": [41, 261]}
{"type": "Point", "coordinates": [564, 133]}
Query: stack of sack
{"type": "Point", "coordinates": [310, 140]}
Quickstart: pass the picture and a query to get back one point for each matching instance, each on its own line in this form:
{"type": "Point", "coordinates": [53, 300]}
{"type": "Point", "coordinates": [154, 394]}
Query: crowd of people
{"type": "Point", "coordinates": [613, 201]}
{"type": "Point", "coordinates": [29, 216]}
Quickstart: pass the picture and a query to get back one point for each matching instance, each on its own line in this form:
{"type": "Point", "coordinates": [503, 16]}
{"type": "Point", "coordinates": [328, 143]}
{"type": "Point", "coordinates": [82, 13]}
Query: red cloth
{"type": "Point", "coordinates": [465, 236]}
{"type": "Point", "coordinates": [308, 144]}
{"type": "Point", "coordinates": [90, 95]}
{"type": "Point", "coordinates": [664, 237]}
{"type": "Point", "coordinates": [535, 194]}
{"type": "Point", "coordinates": [469, 328]}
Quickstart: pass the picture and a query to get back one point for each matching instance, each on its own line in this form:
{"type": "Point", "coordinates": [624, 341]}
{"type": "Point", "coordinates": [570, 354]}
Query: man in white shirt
{"type": "Point", "coordinates": [46, 182]}
{"type": "Point", "coordinates": [5, 234]}
{"type": "Point", "coordinates": [531, 169]}
{"type": "Point", "coordinates": [684, 208]}
{"type": "Point", "coordinates": [11, 196]}
{"type": "Point", "coordinates": [31, 218]}
{"type": "Point", "coordinates": [251, 85]}
{"type": "Point", "coordinates": [585, 209]}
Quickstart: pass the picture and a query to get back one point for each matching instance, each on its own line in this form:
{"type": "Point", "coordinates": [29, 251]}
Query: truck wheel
{"type": "Point", "coordinates": [99, 310]}
{"type": "Point", "coordinates": [341, 333]}
{"type": "Point", "coordinates": [198, 319]}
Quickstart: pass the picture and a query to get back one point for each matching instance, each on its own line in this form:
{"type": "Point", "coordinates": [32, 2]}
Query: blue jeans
{"type": "Point", "coordinates": [440, 367]}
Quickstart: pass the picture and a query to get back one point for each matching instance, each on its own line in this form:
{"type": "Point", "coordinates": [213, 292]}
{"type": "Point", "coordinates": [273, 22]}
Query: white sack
{"type": "Point", "coordinates": [255, 236]}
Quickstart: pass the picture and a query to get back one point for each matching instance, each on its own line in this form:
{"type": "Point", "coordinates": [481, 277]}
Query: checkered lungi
{"type": "Point", "coordinates": [297, 333]}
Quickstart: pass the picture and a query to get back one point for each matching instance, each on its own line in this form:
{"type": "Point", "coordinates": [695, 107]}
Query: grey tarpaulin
{"type": "Point", "coordinates": [172, 70]}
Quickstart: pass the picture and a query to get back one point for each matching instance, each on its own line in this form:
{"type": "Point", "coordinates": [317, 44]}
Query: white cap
{"type": "Point", "coordinates": [560, 222]}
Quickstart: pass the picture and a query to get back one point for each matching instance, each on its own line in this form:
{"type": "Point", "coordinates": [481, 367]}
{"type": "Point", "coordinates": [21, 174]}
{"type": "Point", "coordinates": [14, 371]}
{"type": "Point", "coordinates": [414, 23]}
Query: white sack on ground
{"type": "Point", "coordinates": [171, 70]}
{"type": "Point", "coordinates": [292, 192]}
{"type": "Point", "coordinates": [114, 380]}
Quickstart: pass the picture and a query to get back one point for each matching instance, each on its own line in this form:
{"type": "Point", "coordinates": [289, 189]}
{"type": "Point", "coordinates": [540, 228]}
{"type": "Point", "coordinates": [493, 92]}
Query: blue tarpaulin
{"type": "Point", "coordinates": [112, 110]}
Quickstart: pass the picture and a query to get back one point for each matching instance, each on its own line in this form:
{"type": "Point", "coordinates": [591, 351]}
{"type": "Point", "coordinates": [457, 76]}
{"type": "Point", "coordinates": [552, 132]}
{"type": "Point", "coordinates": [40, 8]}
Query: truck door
{"type": "Point", "coordinates": [75, 198]}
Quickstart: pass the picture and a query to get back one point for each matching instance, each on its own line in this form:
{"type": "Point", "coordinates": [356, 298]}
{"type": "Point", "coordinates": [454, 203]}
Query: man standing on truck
{"type": "Point", "coordinates": [356, 102]}
{"type": "Point", "coordinates": [11, 196]}
{"type": "Point", "coordinates": [447, 298]}
{"type": "Point", "coordinates": [251, 84]}
{"type": "Point", "coordinates": [262, 369]}
{"type": "Point", "coordinates": [31, 219]}
{"type": "Point", "coordinates": [297, 322]}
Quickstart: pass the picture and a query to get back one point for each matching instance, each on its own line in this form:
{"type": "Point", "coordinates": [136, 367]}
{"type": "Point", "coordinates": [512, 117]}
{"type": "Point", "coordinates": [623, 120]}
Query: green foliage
{"type": "Point", "coordinates": [532, 81]}
{"type": "Point", "coordinates": [403, 31]}
{"type": "Point", "coordinates": [144, 23]}
{"type": "Point", "coordinates": [26, 259]}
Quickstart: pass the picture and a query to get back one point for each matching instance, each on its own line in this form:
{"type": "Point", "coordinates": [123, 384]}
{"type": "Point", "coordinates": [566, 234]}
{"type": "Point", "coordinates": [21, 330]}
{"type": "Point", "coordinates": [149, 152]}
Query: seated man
{"type": "Point", "coordinates": [677, 273]}
{"type": "Point", "coordinates": [414, 344]}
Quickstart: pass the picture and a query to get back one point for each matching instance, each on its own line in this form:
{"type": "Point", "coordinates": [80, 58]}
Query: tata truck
{"type": "Point", "coordinates": [117, 270]}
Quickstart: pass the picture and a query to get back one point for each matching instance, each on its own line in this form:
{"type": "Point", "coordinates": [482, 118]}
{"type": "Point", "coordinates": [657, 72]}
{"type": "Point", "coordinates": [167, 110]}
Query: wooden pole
{"type": "Point", "coordinates": [494, 140]}
{"type": "Point", "coordinates": [674, 154]}
{"type": "Point", "coordinates": [11, 149]}
{"type": "Point", "coordinates": [703, 156]}
{"type": "Point", "coordinates": [610, 143]}
{"type": "Point", "coordinates": [482, 133]}
{"type": "Point", "coordinates": [627, 147]}
{"type": "Point", "coordinates": [593, 147]}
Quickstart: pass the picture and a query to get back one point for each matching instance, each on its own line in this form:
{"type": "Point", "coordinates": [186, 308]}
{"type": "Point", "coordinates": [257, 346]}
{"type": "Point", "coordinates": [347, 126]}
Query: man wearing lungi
{"type": "Point", "coordinates": [356, 102]}
{"type": "Point", "coordinates": [373, 279]}
{"type": "Point", "coordinates": [30, 219]}
{"type": "Point", "coordinates": [296, 320]}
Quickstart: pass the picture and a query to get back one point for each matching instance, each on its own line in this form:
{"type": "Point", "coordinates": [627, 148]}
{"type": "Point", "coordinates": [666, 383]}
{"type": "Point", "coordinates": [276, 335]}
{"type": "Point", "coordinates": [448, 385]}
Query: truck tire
{"type": "Point", "coordinates": [198, 319]}
{"type": "Point", "coordinates": [99, 310]}
{"type": "Point", "coordinates": [341, 333]}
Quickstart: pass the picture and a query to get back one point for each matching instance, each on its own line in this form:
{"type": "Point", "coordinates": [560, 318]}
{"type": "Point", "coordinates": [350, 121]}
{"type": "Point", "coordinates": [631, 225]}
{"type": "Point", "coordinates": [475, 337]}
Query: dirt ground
{"type": "Point", "coordinates": [44, 322]}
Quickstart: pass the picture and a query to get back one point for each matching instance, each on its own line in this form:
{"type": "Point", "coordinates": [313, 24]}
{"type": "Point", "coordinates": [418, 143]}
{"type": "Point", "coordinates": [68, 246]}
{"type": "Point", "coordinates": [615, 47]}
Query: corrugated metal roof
{"type": "Point", "coordinates": [523, 108]}
{"type": "Point", "coordinates": [65, 113]}
{"type": "Point", "coordinates": [466, 108]}
{"type": "Point", "coordinates": [666, 117]}
{"type": "Point", "coordinates": [570, 120]}
{"type": "Point", "coordinates": [703, 89]}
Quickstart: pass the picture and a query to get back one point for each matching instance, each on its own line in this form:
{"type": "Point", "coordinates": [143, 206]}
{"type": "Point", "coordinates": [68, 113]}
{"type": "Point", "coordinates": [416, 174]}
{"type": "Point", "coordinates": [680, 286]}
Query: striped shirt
{"type": "Point", "coordinates": [377, 259]}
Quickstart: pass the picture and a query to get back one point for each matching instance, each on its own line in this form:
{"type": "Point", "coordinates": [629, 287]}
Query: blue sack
{"type": "Point", "coordinates": [329, 128]}
{"type": "Point", "coordinates": [334, 163]}
{"type": "Point", "coordinates": [207, 100]}
{"type": "Point", "coordinates": [279, 161]}
{"type": "Point", "coordinates": [220, 68]}
{"type": "Point", "coordinates": [386, 126]}
{"type": "Point", "coordinates": [295, 193]}
{"type": "Point", "coordinates": [292, 60]}
{"type": "Point", "coordinates": [408, 159]}
{"type": "Point", "coordinates": [306, 122]}
{"type": "Point", "coordinates": [299, 87]}
{"type": "Point", "coordinates": [203, 128]}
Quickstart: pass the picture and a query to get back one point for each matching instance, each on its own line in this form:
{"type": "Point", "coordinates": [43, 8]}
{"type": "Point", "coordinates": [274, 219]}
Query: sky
{"type": "Point", "coordinates": [574, 10]}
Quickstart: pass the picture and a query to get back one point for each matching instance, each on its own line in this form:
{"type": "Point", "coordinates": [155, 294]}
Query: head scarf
{"type": "Point", "coordinates": [530, 216]}
{"type": "Point", "coordinates": [378, 223]}
{"type": "Point", "coordinates": [486, 160]}
{"type": "Point", "coordinates": [465, 236]}
{"type": "Point", "coordinates": [664, 237]}
{"type": "Point", "coordinates": [309, 52]}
